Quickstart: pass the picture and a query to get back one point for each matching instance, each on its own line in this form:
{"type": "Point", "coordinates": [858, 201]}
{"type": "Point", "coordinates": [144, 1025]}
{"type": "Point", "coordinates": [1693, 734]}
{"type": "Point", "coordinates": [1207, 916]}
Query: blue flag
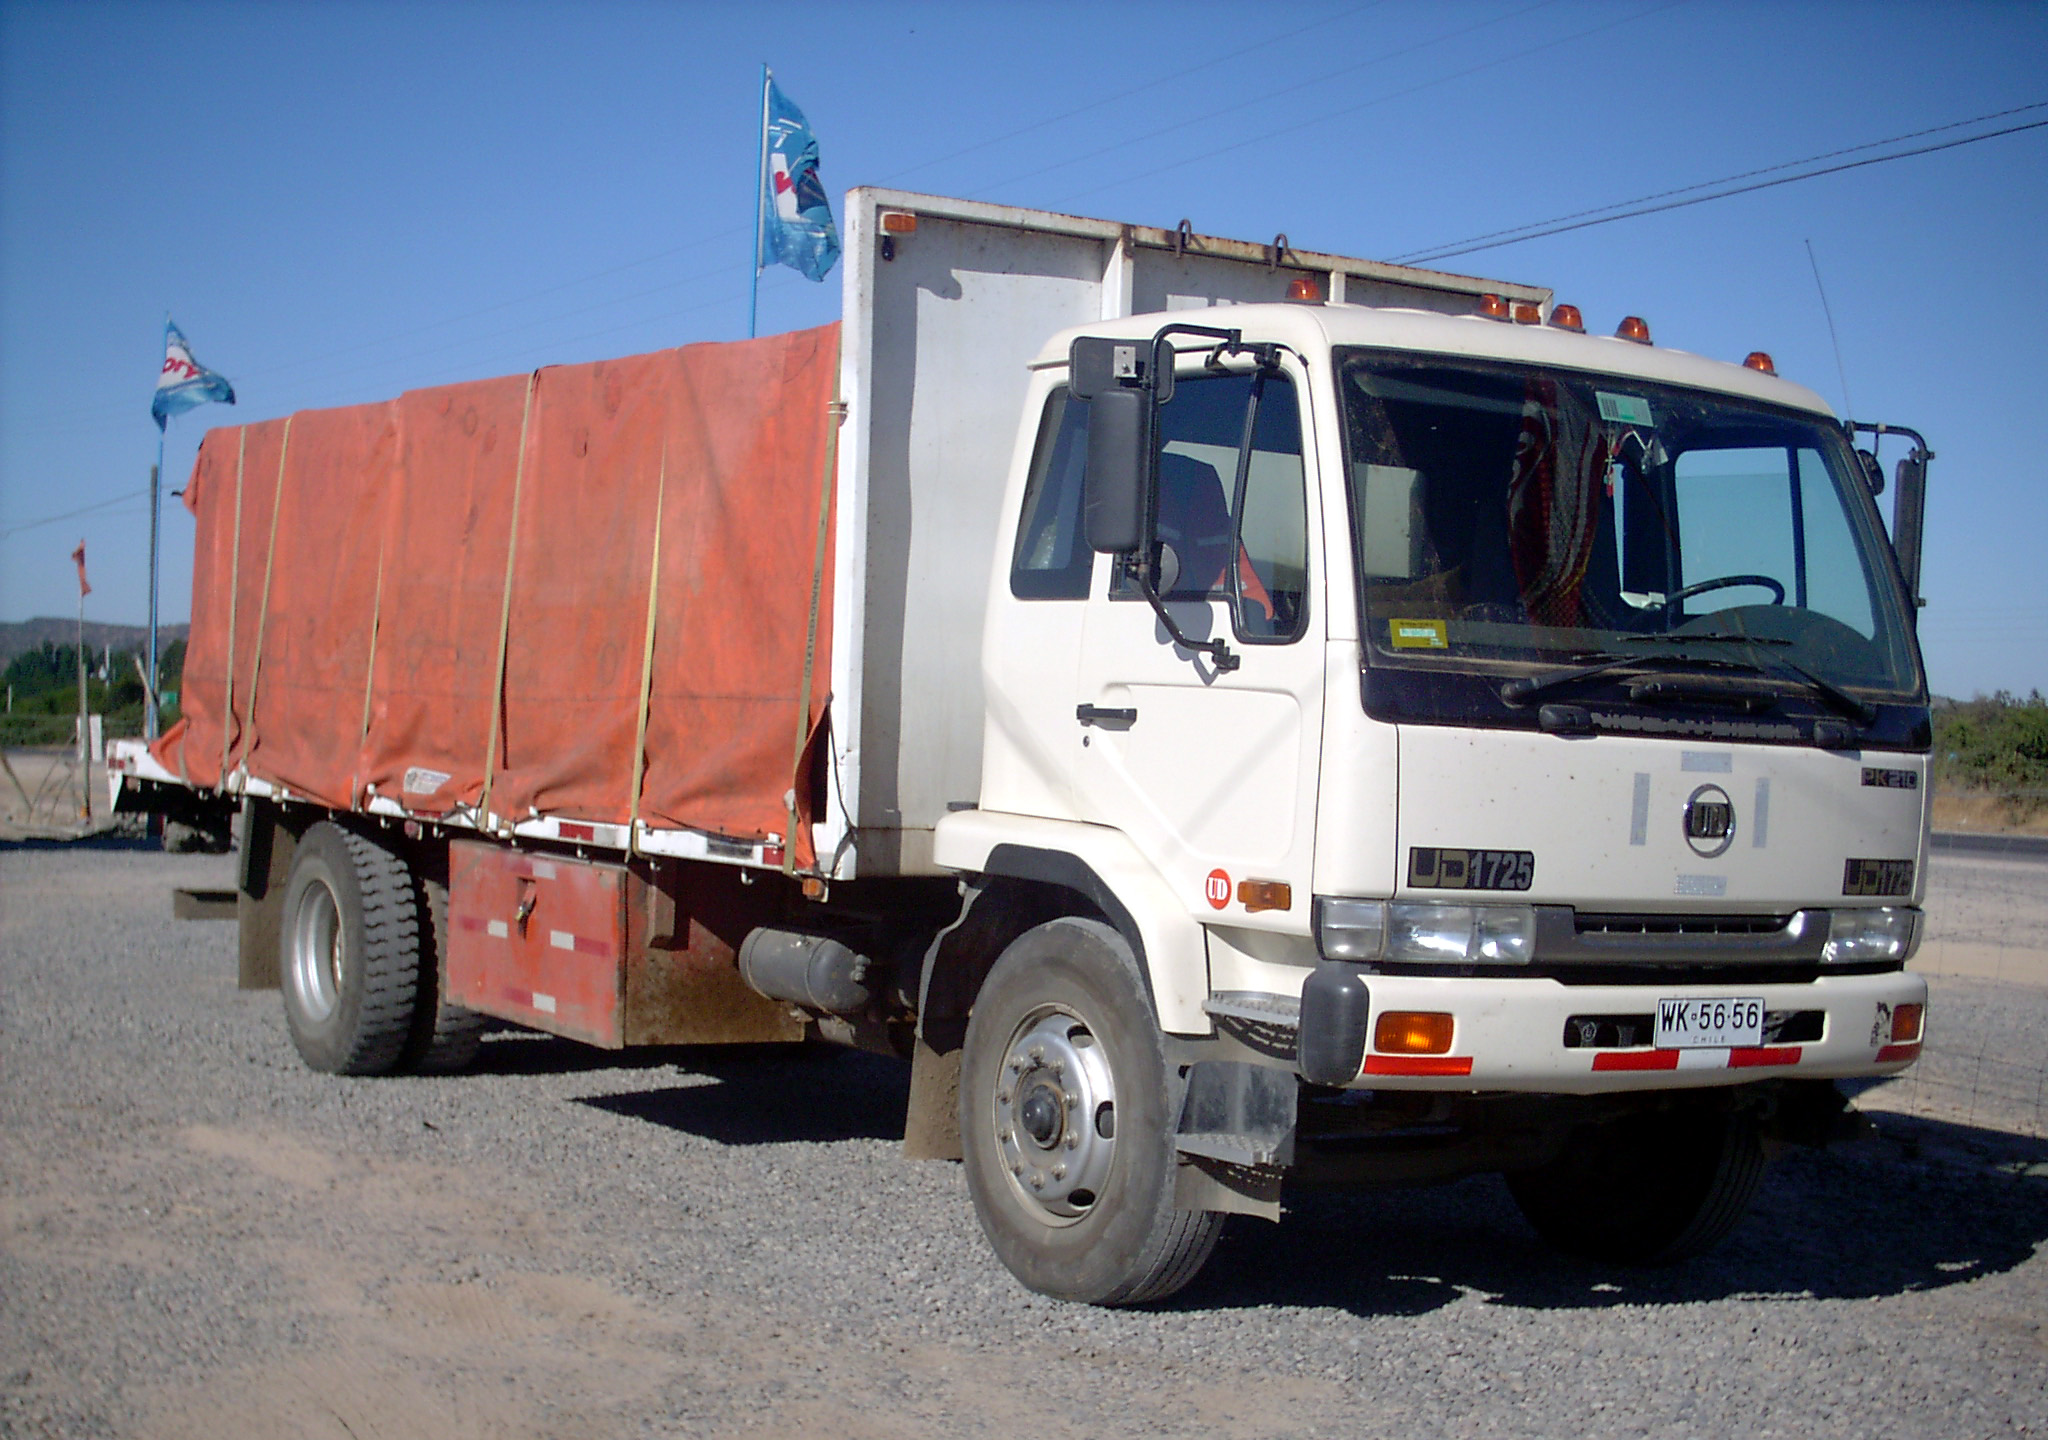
{"type": "Point", "coordinates": [796, 218]}
{"type": "Point", "coordinates": [184, 382]}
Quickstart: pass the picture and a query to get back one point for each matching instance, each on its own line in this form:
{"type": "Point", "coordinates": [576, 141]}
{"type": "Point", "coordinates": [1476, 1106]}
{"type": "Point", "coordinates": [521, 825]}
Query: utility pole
{"type": "Point", "coordinates": [84, 725]}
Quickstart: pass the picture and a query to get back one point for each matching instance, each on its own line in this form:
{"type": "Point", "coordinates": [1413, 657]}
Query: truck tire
{"type": "Point", "coordinates": [1650, 1190]}
{"type": "Point", "coordinates": [1066, 1127]}
{"type": "Point", "coordinates": [444, 1038]}
{"type": "Point", "coordinates": [349, 953]}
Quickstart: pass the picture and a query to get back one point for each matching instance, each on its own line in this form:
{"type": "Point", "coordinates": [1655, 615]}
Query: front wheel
{"type": "Point", "coordinates": [1067, 1127]}
{"type": "Point", "coordinates": [1648, 1190]}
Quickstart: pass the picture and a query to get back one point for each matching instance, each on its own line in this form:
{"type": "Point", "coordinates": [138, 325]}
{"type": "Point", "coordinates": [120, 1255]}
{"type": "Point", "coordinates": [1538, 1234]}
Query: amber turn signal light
{"type": "Point", "coordinates": [1566, 317]}
{"type": "Point", "coordinates": [1906, 1023]}
{"type": "Point", "coordinates": [1257, 895]}
{"type": "Point", "coordinates": [1413, 1032]}
{"type": "Point", "coordinates": [1633, 327]}
{"type": "Point", "coordinates": [1758, 360]}
{"type": "Point", "coordinates": [898, 222]}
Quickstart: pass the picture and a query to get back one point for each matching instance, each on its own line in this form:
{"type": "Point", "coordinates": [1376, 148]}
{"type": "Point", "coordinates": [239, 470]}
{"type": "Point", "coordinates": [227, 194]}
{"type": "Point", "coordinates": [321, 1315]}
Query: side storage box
{"type": "Point", "coordinates": [609, 954]}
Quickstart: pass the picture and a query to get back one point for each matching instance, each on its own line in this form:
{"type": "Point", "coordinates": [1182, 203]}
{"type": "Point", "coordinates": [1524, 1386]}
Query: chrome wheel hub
{"type": "Point", "coordinates": [1055, 1115]}
{"type": "Point", "coordinates": [316, 952]}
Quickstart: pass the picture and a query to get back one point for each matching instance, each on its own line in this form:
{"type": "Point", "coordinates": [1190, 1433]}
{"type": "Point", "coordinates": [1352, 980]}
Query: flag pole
{"type": "Point", "coordinates": [84, 727]}
{"type": "Point", "coordinates": [760, 191]}
{"type": "Point", "coordinates": [149, 711]}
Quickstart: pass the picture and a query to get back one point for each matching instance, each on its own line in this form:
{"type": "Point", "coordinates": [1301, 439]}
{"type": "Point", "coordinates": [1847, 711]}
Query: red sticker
{"type": "Point", "coordinates": [1217, 889]}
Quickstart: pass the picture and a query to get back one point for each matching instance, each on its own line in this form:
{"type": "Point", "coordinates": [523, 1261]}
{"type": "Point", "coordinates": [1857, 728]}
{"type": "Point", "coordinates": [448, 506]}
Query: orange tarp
{"type": "Point", "coordinates": [360, 557]}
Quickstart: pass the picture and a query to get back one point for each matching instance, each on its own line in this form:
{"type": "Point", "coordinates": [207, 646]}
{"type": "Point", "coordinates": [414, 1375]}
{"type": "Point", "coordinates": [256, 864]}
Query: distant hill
{"type": "Point", "coordinates": [17, 637]}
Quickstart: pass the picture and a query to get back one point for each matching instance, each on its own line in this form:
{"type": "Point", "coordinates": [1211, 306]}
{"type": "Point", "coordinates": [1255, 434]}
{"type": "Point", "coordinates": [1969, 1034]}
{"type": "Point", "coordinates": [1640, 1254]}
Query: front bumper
{"type": "Point", "coordinates": [1511, 1034]}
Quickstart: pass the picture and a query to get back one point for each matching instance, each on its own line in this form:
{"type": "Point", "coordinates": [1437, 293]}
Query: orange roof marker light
{"type": "Point", "coordinates": [1566, 317]}
{"type": "Point", "coordinates": [1633, 327]}
{"type": "Point", "coordinates": [1305, 288]}
{"type": "Point", "coordinates": [1758, 360]}
{"type": "Point", "coordinates": [898, 222]}
{"type": "Point", "coordinates": [1493, 307]}
{"type": "Point", "coordinates": [1527, 314]}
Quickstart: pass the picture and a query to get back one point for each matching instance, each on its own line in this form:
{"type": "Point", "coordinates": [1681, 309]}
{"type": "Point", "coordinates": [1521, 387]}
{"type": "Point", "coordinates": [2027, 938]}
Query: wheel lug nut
{"type": "Point", "coordinates": [1073, 1141]}
{"type": "Point", "coordinates": [1038, 1054]}
{"type": "Point", "coordinates": [1059, 1172]}
{"type": "Point", "coordinates": [1002, 1097]}
{"type": "Point", "coordinates": [1037, 1180]}
{"type": "Point", "coordinates": [1009, 1137]}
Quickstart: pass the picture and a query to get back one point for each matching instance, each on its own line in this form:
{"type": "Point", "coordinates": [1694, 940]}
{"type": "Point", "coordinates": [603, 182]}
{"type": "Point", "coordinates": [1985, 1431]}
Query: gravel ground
{"type": "Point", "coordinates": [198, 1237]}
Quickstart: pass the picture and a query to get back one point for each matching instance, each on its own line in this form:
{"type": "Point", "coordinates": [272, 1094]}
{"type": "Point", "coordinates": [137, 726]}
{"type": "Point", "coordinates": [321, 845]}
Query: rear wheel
{"type": "Point", "coordinates": [350, 953]}
{"type": "Point", "coordinates": [1648, 1190]}
{"type": "Point", "coordinates": [444, 1038]}
{"type": "Point", "coordinates": [1066, 1125]}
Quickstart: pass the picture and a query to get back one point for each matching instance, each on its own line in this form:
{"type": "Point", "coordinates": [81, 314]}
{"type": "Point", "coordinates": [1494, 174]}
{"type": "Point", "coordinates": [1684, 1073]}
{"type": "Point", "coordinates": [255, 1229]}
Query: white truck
{"type": "Point", "coordinates": [1290, 718]}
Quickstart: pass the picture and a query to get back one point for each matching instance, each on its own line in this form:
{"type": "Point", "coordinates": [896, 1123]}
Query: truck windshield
{"type": "Point", "coordinates": [1514, 519]}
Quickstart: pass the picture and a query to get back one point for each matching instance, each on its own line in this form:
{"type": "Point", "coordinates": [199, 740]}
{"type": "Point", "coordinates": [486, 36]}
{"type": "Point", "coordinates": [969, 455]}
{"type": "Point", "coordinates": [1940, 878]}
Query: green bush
{"type": "Point", "coordinates": [1996, 743]}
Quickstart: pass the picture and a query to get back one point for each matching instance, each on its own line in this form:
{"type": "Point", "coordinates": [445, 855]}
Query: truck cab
{"type": "Point", "coordinates": [1502, 710]}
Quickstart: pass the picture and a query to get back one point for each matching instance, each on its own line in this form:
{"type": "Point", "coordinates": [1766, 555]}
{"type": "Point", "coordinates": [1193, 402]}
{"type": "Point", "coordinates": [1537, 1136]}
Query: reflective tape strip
{"type": "Point", "coordinates": [543, 1003]}
{"type": "Point", "coordinates": [1744, 1056]}
{"type": "Point", "coordinates": [561, 940]}
{"type": "Point", "coordinates": [499, 930]}
{"type": "Point", "coordinates": [1418, 1064]}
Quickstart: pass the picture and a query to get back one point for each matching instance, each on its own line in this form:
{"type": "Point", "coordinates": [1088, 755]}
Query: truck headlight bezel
{"type": "Point", "coordinates": [1428, 932]}
{"type": "Point", "coordinates": [1872, 935]}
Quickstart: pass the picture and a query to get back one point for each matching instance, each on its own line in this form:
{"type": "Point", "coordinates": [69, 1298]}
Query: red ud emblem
{"type": "Point", "coordinates": [1217, 889]}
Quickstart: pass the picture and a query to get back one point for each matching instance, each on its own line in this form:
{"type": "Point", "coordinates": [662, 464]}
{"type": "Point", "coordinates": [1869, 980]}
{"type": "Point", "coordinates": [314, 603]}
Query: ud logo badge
{"type": "Point", "coordinates": [1709, 821]}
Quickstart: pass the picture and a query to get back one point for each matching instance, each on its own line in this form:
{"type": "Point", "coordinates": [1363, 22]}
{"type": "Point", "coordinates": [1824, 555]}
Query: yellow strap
{"type": "Point", "coordinates": [483, 805]}
{"type": "Point", "coordinates": [803, 703]}
{"type": "Point", "coordinates": [227, 709]}
{"type": "Point", "coordinates": [647, 660]}
{"type": "Point", "coordinates": [263, 611]}
{"type": "Point", "coordinates": [370, 667]}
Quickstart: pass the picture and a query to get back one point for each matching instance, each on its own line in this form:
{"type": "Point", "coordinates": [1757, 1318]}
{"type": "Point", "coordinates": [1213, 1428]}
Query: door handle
{"type": "Point", "coordinates": [1104, 715]}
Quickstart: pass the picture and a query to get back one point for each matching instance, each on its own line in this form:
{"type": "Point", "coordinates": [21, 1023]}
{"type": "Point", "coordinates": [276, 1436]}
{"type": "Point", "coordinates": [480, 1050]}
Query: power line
{"type": "Point", "coordinates": [12, 530]}
{"type": "Point", "coordinates": [1745, 175]}
{"type": "Point", "coordinates": [1460, 248]}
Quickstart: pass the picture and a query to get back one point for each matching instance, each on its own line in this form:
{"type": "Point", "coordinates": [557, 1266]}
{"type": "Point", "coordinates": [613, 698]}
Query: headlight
{"type": "Point", "coordinates": [1405, 933]}
{"type": "Point", "coordinates": [1874, 934]}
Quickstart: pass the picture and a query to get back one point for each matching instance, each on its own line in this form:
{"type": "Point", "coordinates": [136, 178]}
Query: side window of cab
{"type": "Point", "coordinates": [1052, 560]}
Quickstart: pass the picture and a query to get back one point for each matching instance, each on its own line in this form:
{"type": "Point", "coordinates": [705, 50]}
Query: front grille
{"type": "Point", "coordinates": [1596, 923]}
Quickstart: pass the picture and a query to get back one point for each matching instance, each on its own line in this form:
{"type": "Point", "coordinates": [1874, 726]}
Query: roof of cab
{"type": "Point", "coordinates": [1311, 327]}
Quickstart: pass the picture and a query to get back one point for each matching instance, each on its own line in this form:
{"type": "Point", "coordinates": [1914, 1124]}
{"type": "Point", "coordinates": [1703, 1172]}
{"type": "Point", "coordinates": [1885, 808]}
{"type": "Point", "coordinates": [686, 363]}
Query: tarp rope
{"type": "Point", "coordinates": [263, 611]}
{"type": "Point", "coordinates": [483, 805]}
{"type": "Point", "coordinates": [834, 416]}
{"type": "Point", "coordinates": [647, 661]}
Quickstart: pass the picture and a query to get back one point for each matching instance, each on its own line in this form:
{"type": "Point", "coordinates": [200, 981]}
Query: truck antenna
{"type": "Point", "coordinates": [1848, 406]}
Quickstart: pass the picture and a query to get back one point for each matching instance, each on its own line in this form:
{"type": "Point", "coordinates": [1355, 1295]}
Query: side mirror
{"type": "Point", "coordinates": [1114, 504]}
{"type": "Point", "coordinates": [1909, 504]}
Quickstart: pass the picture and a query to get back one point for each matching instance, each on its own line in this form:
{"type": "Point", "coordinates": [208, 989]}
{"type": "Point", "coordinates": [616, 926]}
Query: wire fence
{"type": "Point", "coordinates": [1985, 1061]}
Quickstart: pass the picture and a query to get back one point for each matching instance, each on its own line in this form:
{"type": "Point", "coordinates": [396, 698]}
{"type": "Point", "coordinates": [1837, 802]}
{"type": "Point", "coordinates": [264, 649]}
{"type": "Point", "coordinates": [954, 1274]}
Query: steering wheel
{"type": "Point", "coordinates": [1724, 582]}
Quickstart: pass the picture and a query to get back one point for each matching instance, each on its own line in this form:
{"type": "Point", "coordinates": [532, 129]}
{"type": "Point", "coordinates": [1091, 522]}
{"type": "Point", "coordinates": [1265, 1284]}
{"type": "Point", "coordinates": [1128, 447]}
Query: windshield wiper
{"type": "Point", "coordinates": [1838, 699]}
{"type": "Point", "coordinates": [1522, 689]}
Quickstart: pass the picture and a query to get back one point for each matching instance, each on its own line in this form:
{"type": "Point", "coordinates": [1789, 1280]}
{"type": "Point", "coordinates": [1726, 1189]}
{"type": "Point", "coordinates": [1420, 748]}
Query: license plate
{"type": "Point", "coordinates": [1687, 1022]}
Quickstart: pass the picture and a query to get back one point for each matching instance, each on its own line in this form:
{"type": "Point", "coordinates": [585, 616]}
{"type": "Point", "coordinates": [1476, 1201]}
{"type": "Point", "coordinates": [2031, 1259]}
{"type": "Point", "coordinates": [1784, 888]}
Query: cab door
{"type": "Point", "coordinates": [1211, 770]}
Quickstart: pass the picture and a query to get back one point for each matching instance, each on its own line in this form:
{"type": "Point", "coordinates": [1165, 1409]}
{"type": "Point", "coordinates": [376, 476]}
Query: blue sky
{"type": "Point", "coordinates": [341, 201]}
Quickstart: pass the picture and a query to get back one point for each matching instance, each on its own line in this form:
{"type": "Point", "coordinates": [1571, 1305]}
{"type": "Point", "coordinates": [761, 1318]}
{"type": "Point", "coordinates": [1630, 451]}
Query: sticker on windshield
{"type": "Point", "coordinates": [1418, 635]}
{"type": "Point", "coordinates": [1624, 409]}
